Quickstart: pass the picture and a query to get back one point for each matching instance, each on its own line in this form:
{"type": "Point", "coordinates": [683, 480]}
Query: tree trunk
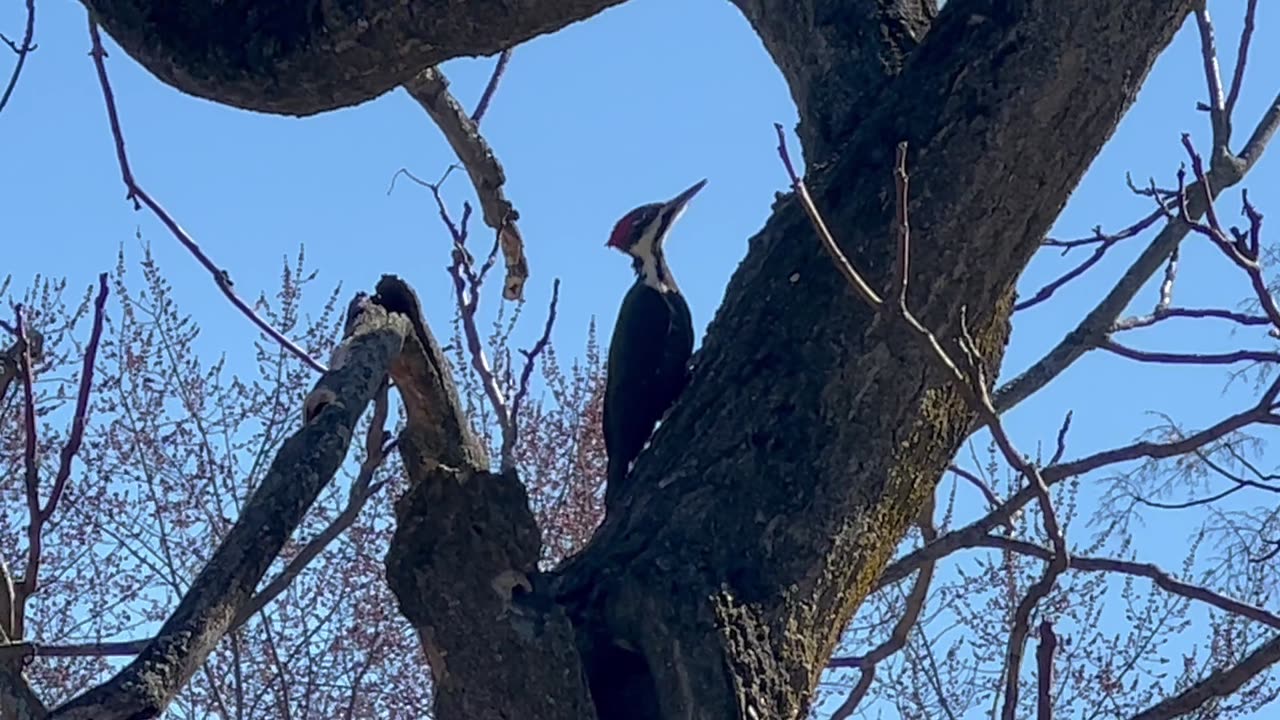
{"type": "Point", "coordinates": [774, 494]}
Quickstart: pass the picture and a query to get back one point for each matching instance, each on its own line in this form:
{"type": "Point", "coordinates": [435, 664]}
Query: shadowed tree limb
{"type": "Point", "coordinates": [464, 559]}
{"type": "Point", "coordinates": [293, 58]}
{"type": "Point", "coordinates": [304, 464]}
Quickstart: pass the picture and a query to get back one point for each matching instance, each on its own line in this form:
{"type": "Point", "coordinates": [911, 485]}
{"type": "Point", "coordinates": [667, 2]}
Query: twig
{"type": "Point", "coordinates": [1104, 242]}
{"type": "Point", "coordinates": [1242, 57]}
{"type": "Point", "coordinates": [1227, 358]}
{"type": "Point", "coordinates": [842, 263]}
{"type": "Point", "coordinates": [1209, 56]}
{"type": "Point", "coordinates": [485, 98]}
{"type": "Point", "coordinates": [31, 479]}
{"type": "Point", "coordinates": [22, 50]}
{"type": "Point", "coordinates": [431, 89]}
{"type": "Point", "coordinates": [140, 197]}
{"type": "Point", "coordinates": [1166, 313]}
{"type": "Point", "coordinates": [40, 515]}
{"type": "Point", "coordinates": [971, 535]}
{"type": "Point", "coordinates": [530, 357]}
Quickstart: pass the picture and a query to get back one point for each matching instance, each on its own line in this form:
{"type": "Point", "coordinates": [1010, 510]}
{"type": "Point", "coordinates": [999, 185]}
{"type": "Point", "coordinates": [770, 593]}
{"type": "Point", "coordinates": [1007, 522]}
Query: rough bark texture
{"type": "Point", "coordinates": [464, 559]}
{"type": "Point", "coordinates": [304, 464]}
{"type": "Point", "coordinates": [774, 494]}
{"type": "Point", "coordinates": [789, 470]}
{"type": "Point", "coordinates": [299, 57]}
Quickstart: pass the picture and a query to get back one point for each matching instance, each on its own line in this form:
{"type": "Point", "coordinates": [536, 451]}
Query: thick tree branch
{"type": "Point", "coordinates": [304, 464]}
{"type": "Point", "coordinates": [305, 58]}
{"type": "Point", "coordinates": [463, 561]}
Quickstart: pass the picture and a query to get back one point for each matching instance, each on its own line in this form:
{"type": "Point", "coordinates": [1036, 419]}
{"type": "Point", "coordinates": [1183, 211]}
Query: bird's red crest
{"type": "Point", "coordinates": [621, 236]}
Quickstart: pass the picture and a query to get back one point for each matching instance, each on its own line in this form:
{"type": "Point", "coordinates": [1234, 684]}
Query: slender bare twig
{"type": "Point", "coordinates": [31, 477]}
{"type": "Point", "coordinates": [40, 514]}
{"type": "Point", "coordinates": [971, 534]}
{"type": "Point", "coordinates": [22, 50]}
{"type": "Point", "coordinates": [1104, 243]}
{"type": "Point", "coordinates": [530, 358]}
{"type": "Point", "coordinates": [1151, 572]}
{"type": "Point", "coordinates": [1160, 315]}
{"type": "Point", "coordinates": [1227, 358]}
{"type": "Point", "coordinates": [487, 96]}
{"type": "Point", "coordinates": [1242, 57]}
{"type": "Point", "coordinates": [140, 197]}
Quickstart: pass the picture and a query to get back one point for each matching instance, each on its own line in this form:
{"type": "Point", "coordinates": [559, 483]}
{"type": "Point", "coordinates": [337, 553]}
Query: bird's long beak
{"type": "Point", "coordinates": [678, 202]}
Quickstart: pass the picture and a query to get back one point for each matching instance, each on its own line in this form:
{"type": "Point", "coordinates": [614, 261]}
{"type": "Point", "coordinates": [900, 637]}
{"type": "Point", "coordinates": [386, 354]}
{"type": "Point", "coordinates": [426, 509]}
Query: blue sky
{"type": "Point", "coordinates": [628, 108]}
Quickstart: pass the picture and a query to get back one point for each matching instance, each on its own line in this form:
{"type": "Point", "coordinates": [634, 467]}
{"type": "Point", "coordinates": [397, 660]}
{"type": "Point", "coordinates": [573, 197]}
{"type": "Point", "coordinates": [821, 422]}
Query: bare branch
{"type": "Point", "coordinates": [487, 96]}
{"type": "Point", "coordinates": [220, 276]}
{"type": "Point", "coordinates": [1162, 579]}
{"type": "Point", "coordinates": [22, 50]}
{"type": "Point", "coordinates": [1104, 243]}
{"type": "Point", "coordinates": [431, 89]}
{"type": "Point", "coordinates": [1242, 57]}
{"type": "Point", "coordinates": [1219, 683]}
{"type": "Point", "coordinates": [1227, 358]}
{"type": "Point", "coordinates": [1209, 55]}
{"type": "Point", "coordinates": [304, 464]}
{"type": "Point", "coordinates": [530, 357]}
{"type": "Point", "coordinates": [972, 534]}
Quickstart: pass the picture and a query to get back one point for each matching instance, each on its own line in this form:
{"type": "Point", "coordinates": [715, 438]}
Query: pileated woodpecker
{"type": "Point", "coordinates": [652, 340]}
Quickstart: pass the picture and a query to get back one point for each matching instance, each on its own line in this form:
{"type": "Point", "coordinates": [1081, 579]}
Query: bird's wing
{"type": "Point", "coordinates": [634, 397]}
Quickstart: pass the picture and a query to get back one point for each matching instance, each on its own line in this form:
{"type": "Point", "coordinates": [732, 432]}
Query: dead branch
{"type": "Point", "coordinates": [306, 461]}
{"type": "Point", "coordinates": [220, 276]}
{"type": "Point", "coordinates": [431, 89]}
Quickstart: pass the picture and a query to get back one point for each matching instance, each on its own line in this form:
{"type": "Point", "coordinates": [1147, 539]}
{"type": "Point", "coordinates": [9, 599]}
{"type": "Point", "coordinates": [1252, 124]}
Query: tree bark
{"type": "Point", "coordinates": [302, 58]}
{"type": "Point", "coordinates": [774, 494]}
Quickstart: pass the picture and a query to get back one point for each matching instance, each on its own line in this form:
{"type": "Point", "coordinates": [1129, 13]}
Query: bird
{"type": "Point", "coordinates": [648, 364]}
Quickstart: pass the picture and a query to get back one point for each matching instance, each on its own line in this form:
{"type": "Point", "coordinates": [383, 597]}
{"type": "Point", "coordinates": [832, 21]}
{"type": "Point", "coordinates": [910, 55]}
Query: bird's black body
{"type": "Point", "coordinates": [652, 339]}
{"type": "Point", "coordinates": [648, 368]}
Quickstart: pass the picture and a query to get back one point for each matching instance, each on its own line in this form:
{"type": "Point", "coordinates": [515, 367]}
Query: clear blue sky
{"type": "Point", "coordinates": [627, 108]}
